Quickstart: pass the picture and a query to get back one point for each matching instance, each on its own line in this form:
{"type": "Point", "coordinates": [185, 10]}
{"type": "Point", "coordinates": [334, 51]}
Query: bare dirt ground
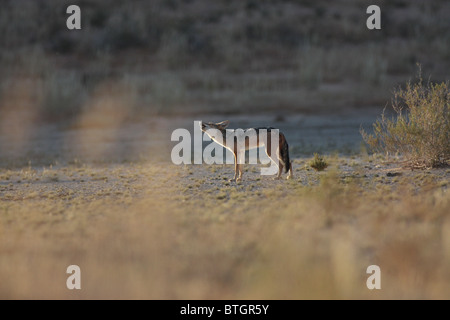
{"type": "Point", "coordinates": [140, 227]}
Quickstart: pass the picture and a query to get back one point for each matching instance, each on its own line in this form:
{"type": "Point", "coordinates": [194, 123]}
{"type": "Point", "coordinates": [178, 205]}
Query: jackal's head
{"type": "Point", "coordinates": [210, 125]}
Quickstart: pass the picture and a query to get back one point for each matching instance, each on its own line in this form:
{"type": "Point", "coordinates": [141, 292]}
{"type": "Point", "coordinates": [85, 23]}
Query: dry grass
{"type": "Point", "coordinates": [421, 129]}
{"type": "Point", "coordinates": [318, 163]}
{"type": "Point", "coordinates": [166, 232]}
{"type": "Point", "coordinates": [140, 227]}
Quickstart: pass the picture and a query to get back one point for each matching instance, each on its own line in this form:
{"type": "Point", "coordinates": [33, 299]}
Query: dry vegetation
{"type": "Point", "coordinates": [318, 163]}
{"type": "Point", "coordinates": [168, 232]}
{"type": "Point", "coordinates": [94, 185]}
{"type": "Point", "coordinates": [420, 131]}
{"type": "Point", "coordinates": [197, 56]}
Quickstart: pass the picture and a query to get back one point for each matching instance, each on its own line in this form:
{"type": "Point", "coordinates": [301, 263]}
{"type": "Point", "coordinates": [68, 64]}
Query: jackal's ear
{"type": "Point", "coordinates": [223, 124]}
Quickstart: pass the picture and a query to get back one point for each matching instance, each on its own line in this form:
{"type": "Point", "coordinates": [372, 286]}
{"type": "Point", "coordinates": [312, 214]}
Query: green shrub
{"type": "Point", "coordinates": [318, 163]}
{"type": "Point", "coordinates": [420, 131]}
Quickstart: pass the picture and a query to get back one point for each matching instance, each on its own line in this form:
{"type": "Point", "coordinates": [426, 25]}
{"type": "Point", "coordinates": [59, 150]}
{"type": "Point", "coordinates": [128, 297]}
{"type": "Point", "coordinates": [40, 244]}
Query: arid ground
{"type": "Point", "coordinates": [141, 227]}
{"type": "Point", "coordinates": [86, 177]}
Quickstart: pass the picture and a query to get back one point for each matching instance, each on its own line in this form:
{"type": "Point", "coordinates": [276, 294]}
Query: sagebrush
{"type": "Point", "coordinates": [318, 163]}
{"type": "Point", "coordinates": [420, 128]}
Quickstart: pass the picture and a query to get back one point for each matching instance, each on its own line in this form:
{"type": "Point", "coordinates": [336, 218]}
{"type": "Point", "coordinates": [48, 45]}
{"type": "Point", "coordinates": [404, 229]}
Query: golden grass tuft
{"type": "Point", "coordinates": [318, 163]}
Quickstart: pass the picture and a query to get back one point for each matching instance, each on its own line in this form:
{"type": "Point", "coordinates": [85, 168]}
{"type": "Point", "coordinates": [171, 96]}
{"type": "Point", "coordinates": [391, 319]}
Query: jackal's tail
{"type": "Point", "coordinates": [284, 152]}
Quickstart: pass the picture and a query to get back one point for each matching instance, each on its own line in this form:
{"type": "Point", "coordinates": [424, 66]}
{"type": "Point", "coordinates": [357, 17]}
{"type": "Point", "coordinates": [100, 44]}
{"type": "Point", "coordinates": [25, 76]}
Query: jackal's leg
{"type": "Point", "coordinates": [290, 175]}
{"type": "Point", "coordinates": [280, 164]}
{"type": "Point", "coordinates": [236, 167]}
{"type": "Point", "coordinates": [273, 159]}
{"type": "Point", "coordinates": [240, 158]}
{"type": "Point", "coordinates": [240, 172]}
{"type": "Point", "coordinates": [280, 170]}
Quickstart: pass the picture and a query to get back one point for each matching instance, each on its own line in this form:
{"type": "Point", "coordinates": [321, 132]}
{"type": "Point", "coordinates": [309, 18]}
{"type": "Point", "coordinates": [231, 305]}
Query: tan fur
{"type": "Point", "coordinates": [234, 149]}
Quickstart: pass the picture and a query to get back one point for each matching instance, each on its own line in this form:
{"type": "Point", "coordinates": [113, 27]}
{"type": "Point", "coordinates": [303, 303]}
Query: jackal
{"type": "Point", "coordinates": [230, 141]}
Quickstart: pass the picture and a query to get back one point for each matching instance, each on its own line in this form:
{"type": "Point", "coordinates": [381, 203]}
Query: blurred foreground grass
{"type": "Point", "coordinates": [166, 232]}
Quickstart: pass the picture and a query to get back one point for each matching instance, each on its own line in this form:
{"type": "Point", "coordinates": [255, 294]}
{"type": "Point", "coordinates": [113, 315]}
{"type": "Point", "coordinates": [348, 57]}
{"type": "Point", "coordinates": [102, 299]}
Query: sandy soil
{"type": "Point", "coordinates": [109, 200]}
